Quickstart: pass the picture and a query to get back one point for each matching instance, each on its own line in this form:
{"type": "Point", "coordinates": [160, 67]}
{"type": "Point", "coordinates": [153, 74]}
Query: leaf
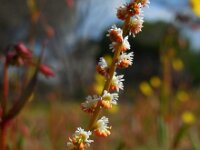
{"type": "Point", "coordinates": [180, 134]}
{"type": "Point", "coordinates": [162, 133]}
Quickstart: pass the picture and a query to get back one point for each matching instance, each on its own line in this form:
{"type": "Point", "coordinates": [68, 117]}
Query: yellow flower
{"type": "Point", "coordinates": [99, 83]}
{"type": "Point", "coordinates": [146, 89]}
{"type": "Point", "coordinates": [177, 64]}
{"type": "Point", "coordinates": [195, 4]}
{"type": "Point", "coordinates": [108, 59]}
{"type": "Point", "coordinates": [182, 96]}
{"type": "Point", "coordinates": [114, 109]}
{"type": "Point", "coordinates": [155, 82]}
{"type": "Point", "coordinates": [188, 117]}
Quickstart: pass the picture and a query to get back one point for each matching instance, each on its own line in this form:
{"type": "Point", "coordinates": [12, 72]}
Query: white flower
{"type": "Point", "coordinates": [80, 139]}
{"type": "Point", "coordinates": [111, 97]}
{"type": "Point", "coordinates": [125, 43]}
{"type": "Point", "coordinates": [145, 3]}
{"type": "Point", "coordinates": [115, 34]}
{"type": "Point", "coordinates": [135, 25]}
{"type": "Point", "coordinates": [101, 128]}
{"type": "Point", "coordinates": [90, 104]}
{"type": "Point", "coordinates": [83, 135]}
{"type": "Point", "coordinates": [116, 83]}
{"type": "Point", "coordinates": [102, 67]}
{"type": "Point", "coordinates": [122, 12]}
{"type": "Point", "coordinates": [125, 60]}
{"type": "Point", "coordinates": [103, 63]}
{"type": "Point", "coordinates": [108, 99]}
{"type": "Point", "coordinates": [123, 46]}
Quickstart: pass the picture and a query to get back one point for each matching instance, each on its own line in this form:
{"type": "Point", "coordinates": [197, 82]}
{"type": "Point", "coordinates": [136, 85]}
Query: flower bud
{"type": "Point", "coordinates": [45, 70]}
{"type": "Point", "coordinates": [23, 51]}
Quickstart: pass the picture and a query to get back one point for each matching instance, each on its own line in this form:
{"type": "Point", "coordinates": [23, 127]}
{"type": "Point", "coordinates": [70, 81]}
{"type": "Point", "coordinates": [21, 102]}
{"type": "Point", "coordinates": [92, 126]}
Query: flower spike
{"type": "Point", "coordinates": [132, 16]}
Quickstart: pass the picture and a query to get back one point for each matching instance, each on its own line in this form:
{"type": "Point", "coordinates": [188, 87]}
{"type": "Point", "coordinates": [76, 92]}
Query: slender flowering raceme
{"type": "Point", "coordinates": [130, 13]}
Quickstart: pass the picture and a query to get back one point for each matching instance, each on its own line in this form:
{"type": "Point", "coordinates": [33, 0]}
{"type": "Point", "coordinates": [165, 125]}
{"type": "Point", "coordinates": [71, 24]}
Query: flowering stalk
{"type": "Point", "coordinates": [18, 56]}
{"type": "Point", "coordinates": [131, 15]}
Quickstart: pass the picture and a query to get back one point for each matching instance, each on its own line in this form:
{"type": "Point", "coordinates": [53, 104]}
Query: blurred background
{"type": "Point", "coordinates": [163, 81]}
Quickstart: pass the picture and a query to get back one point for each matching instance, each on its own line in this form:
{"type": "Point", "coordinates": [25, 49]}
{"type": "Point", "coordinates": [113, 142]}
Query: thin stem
{"type": "Point", "coordinates": [3, 136]}
{"type": "Point", "coordinates": [4, 103]}
{"type": "Point", "coordinates": [5, 88]}
{"type": "Point", "coordinates": [106, 87]}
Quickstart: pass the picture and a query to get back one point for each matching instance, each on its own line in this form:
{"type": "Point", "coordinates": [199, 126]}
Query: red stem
{"type": "Point", "coordinates": [4, 103]}
{"type": "Point", "coordinates": [5, 88]}
{"type": "Point", "coordinates": [3, 137]}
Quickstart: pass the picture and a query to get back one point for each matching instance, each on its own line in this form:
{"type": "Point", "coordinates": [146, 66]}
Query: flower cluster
{"type": "Point", "coordinates": [101, 127]}
{"type": "Point", "coordinates": [131, 14]}
{"type": "Point", "coordinates": [20, 55]}
{"type": "Point", "coordinates": [80, 140]}
{"type": "Point", "coordinates": [90, 104]}
{"type": "Point", "coordinates": [102, 67]}
{"type": "Point", "coordinates": [108, 99]}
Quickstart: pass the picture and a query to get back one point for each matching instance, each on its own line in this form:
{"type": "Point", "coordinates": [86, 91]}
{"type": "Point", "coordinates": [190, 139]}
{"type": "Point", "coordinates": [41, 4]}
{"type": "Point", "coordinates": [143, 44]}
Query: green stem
{"type": "Point", "coordinates": [179, 135]}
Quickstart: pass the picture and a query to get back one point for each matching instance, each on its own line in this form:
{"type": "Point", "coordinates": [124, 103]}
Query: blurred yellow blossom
{"type": "Point", "coordinates": [195, 4]}
{"type": "Point", "coordinates": [108, 59]}
{"type": "Point", "coordinates": [155, 82]}
{"type": "Point", "coordinates": [182, 96]}
{"type": "Point", "coordinates": [114, 109]}
{"type": "Point", "coordinates": [99, 83]}
{"type": "Point", "coordinates": [146, 89]}
{"type": "Point", "coordinates": [177, 64]}
{"type": "Point", "coordinates": [188, 117]}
